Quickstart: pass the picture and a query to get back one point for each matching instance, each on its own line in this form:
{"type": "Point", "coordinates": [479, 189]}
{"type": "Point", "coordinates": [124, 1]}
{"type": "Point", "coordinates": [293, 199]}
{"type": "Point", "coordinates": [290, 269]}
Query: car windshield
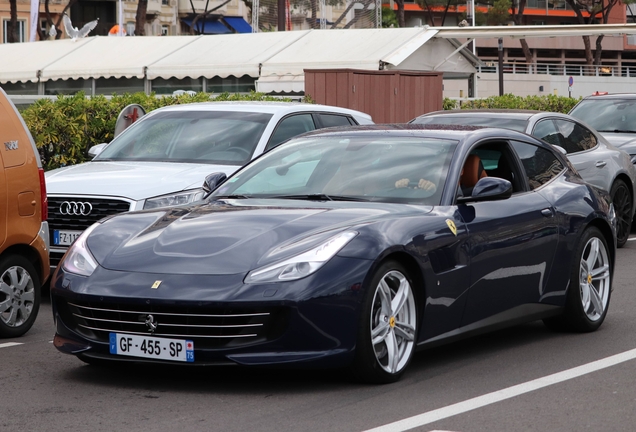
{"type": "Point", "coordinates": [607, 115]}
{"type": "Point", "coordinates": [215, 137]}
{"type": "Point", "coordinates": [487, 120]}
{"type": "Point", "coordinates": [364, 168]}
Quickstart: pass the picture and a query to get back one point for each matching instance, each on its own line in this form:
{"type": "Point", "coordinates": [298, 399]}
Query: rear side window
{"type": "Point", "coordinates": [333, 120]}
{"type": "Point", "coordinates": [541, 165]}
{"type": "Point", "coordinates": [548, 132]}
{"type": "Point", "coordinates": [576, 138]}
{"type": "Point", "coordinates": [290, 127]}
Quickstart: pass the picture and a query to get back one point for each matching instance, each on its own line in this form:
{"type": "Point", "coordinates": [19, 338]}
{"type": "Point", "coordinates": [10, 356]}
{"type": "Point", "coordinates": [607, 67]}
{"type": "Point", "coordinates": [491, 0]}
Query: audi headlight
{"type": "Point", "coordinates": [301, 265]}
{"type": "Point", "coordinates": [174, 199]}
{"type": "Point", "coordinates": [78, 259]}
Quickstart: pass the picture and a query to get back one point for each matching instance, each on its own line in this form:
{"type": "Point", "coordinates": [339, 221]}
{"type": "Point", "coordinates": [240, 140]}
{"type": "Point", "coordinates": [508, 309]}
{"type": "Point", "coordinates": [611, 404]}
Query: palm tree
{"type": "Point", "coordinates": [12, 25]}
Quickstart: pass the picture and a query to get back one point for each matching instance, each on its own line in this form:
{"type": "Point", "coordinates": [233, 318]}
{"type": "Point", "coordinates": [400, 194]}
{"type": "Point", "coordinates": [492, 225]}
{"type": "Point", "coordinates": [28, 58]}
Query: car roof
{"type": "Point", "coordinates": [262, 107]}
{"type": "Point", "coordinates": [453, 132]}
{"type": "Point", "coordinates": [629, 96]}
{"type": "Point", "coordinates": [499, 113]}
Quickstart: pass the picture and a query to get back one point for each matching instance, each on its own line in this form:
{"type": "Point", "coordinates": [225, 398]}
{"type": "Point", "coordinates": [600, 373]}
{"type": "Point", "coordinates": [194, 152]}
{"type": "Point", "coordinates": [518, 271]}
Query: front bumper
{"type": "Point", "coordinates": [310, 322]}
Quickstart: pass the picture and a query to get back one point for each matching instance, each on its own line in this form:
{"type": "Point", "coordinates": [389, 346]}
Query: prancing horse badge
{"type": "Point", "coordinates": [156, 285]}
{"type": "Point", "coordinates": [451, 226]}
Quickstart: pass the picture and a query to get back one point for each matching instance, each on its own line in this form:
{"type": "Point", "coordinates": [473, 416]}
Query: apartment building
{"type": "Point", "coordinates": [619, 52]}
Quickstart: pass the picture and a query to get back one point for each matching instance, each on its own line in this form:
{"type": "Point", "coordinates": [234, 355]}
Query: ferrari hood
{"type": "Point", "coordinates": [225, 237]}
{"type": "Point", "coordinates": [132, 180]}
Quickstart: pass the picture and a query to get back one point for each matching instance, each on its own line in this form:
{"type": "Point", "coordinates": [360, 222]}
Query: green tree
{"type": "Point", "coordinates": [499, 13]}
{"type": "Point", "coordinates": [389, 19]}
{"type": "Point", "coordinates": [594, 12]}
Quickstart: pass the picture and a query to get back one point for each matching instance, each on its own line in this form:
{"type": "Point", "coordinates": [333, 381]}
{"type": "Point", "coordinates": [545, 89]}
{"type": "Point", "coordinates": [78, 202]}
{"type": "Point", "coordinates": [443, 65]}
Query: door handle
{"type": "Point", "coordinates": [547, 212]}
{"type": "Point", "coordinates": [600, 164]}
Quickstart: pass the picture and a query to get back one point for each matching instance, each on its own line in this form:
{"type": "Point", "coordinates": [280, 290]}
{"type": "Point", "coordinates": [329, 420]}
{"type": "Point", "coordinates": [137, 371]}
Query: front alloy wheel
{"type": "Point", "coordinates": [19, 296]}
{"type": "Point", "coordinates": [594, 279]}
{"type": "Point", "coordinates": [387, 335]}
{"type": "Point", "coordinates": [589, 292]}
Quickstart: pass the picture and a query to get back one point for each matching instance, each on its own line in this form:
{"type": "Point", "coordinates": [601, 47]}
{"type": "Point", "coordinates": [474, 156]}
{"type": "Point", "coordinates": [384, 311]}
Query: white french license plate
{"type": "Point", "coordinates": [65, 238]}
{"type": "Point", "coordinates": [152, 347]}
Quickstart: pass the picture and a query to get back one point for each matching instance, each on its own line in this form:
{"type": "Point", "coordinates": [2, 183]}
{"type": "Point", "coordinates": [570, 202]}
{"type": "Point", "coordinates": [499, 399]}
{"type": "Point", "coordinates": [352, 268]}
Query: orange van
{"type": "Point", "coordinates": [24, 232]}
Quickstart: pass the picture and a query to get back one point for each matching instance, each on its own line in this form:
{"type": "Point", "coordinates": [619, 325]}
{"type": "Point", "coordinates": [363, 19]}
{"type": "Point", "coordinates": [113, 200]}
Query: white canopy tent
{"type": "Point", "coordinates": [271, 57]}
{"type": "Point", "coordinates": [276, 60]}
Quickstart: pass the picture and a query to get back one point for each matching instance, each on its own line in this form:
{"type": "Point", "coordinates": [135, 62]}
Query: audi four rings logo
{"type": "Point", "coordinates": [72, 208]}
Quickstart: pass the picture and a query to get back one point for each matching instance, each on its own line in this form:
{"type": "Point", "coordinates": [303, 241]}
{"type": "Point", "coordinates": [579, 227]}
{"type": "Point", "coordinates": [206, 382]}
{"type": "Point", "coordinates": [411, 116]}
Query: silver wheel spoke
{"type": "Point", "coordinates": [585, 293]}
{"type": "Point", "coordinates": [400, 297]}
{"type": "Point", "coordinates": [6, 289]}
{"type": "Point", "coordinates": [393, 353]}
{"type": "Point", "coordinates": [600, 273]}
{"type": "Point", "coordinates": [13, 314]}
{"type": "Point", "coordinates": [379, 333]}
{"type": "Point", "coordinates": [13, 275]}
{"type": "Point", "coordinates": [385, 297]}
{"type": "Point", "coordinates": [24, 280]}
{"type": "Point", "coordinates": [5, 305]}
{"type": "Point", "coordinates": [405, 331]}
{"type": "Point", "coordinates": [593, 256]}
{"type": "Point", "coordinates": [595, 299]}
{"type": "Point", "coordinates": [28, 296]}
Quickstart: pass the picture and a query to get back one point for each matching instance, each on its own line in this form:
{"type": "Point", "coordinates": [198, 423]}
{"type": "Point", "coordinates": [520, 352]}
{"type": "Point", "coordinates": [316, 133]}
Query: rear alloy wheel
{"type": "Point", "coordinates": [19, 296]}
{"type": "Point", "coordinates": [387, 333]}
{"type": "Point", "coordinates": [590, 286]}
{"type": "Point", "coordinates": [622, 200]}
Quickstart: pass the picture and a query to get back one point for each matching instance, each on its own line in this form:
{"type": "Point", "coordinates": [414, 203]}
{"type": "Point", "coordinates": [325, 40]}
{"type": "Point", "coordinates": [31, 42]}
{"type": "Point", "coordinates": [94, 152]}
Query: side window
{"type": "Point", "coordinates": [332, 120]}
{"type": "Point", "coordinates": [290, 127]}
{"type": "Point", "coordinates": [576, 138]}
{"type": "Point", "coordinates": [541, 165]}
{"type": "Point", "coordinates": [493, 159]}
{"type": "Point", "coordinates": [548, 132]}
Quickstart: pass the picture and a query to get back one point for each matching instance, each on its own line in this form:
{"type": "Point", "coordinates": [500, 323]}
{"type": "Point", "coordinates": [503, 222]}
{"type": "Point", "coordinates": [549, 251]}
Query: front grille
{"type": "Point", "coordinates": [100, 208]}
{"type": "Point", "coordinates": [207, 327]}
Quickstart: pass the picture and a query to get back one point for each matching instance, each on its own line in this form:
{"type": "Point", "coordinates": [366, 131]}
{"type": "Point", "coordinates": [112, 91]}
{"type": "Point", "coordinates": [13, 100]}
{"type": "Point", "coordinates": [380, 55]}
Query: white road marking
{"type": "Point", "coordinates": [10, 344]}
{"type": "Point", "coordinates": [507, 393]}
{"type": "Point", "coordinates": [631, 239]}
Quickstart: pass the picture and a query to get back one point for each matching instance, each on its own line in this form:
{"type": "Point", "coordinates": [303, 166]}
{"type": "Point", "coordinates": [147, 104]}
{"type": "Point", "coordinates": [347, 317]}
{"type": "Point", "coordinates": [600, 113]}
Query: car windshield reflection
{"type": "Point", "coordinates": [391, 169]}
{"type": "Point", "coordinates": [215, 137]}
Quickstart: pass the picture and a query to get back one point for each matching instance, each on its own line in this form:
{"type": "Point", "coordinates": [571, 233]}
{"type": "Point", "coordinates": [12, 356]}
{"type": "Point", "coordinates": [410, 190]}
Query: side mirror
{"type": "Point", "coordinates": [212, 182]}
{"type": "Point", "coordinates": [489, 189]}
{"type": "Point", "coordinates": [96, 149]}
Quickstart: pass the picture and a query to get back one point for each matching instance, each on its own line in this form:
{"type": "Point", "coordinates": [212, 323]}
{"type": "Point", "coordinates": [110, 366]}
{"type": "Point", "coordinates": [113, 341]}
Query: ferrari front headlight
{"type": "Point", "coordinates": [301, 265]}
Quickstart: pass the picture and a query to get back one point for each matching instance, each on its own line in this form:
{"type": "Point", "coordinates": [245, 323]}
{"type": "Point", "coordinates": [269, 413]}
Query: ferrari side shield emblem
{"type": "Point", "coordinates": [451, 226]}
{"type": "Point", "coordinates": [156, 285]}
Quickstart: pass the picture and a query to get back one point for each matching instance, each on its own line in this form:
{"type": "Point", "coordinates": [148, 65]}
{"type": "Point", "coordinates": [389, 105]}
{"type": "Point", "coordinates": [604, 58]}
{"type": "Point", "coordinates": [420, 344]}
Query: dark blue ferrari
{"type": "Point", "coordinates": [345, 248]}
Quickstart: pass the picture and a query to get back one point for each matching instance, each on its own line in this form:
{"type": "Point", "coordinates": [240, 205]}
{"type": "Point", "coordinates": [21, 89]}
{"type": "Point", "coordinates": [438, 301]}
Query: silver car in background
{"type": "Point", "coordinates": [599, 162]}
{"type": "Point", "coordinates": [613, 116]}
{"type": "Point", "coordinates": [164, 157]}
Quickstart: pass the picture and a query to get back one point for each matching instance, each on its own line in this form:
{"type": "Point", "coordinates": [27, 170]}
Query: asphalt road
{"type": "Point", "coordinates": [467, 385]}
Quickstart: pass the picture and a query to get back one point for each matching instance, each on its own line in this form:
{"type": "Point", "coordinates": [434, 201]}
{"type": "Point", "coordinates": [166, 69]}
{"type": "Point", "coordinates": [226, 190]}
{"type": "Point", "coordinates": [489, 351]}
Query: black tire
{"type": "Point", "coordinates": [19, 295]}
{"type": "Point", "coordinates": [590, 286]}
{"type": "Point", "coordinates": [373, 363]}
{"type": "Point", "coordinates": [623, 205]}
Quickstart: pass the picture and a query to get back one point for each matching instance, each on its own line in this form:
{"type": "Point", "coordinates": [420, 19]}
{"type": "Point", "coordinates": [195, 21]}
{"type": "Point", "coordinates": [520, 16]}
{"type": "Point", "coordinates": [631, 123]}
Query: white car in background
{"type": "Point", "coordinates": [164, 158]}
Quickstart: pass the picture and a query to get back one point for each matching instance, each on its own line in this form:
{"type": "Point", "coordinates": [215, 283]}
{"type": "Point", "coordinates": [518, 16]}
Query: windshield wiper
{"type": "Point", "coordinates": [320, 197]}
{"type": "Point", "coordinates": [618, 131]}
{"type": "Point", "coordinates": [237, 196]}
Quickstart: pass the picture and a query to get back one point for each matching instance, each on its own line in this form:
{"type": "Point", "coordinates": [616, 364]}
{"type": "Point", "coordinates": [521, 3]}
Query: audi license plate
{"type": "Point", "coordinates": [152, 347]}
{"type": "Point", "coordinates": [65, 238]}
